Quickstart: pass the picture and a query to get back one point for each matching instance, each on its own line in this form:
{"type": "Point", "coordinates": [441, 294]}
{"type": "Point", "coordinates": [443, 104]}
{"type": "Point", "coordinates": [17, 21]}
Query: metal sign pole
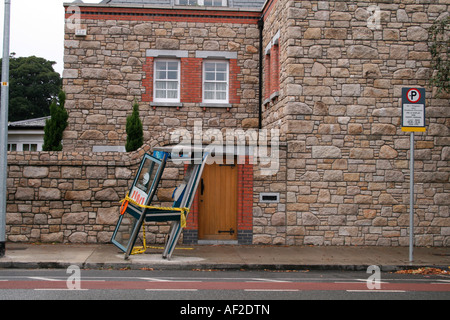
{"type": "Point", "coordinates": [4, 127]}
{"type": "Point", "coordinates": [411, 200]}
{"type": "Point", "coordinates": [413, 120]}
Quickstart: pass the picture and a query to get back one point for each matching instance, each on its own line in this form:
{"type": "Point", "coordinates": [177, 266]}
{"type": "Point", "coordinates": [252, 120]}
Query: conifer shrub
{"type": "Point", "coordinates": [135, 132]}
{"type": "Point", "coordinates": [55, 126]}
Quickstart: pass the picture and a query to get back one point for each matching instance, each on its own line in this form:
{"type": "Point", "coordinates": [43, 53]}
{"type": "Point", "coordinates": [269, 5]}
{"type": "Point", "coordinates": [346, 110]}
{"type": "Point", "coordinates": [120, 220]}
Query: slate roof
{"type": "Point", "coordinates": [30, 123]}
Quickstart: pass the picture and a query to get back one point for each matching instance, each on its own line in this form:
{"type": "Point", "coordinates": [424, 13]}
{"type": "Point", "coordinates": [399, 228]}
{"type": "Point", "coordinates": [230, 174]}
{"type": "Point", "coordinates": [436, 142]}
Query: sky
{"type": "Point", "coordinates": [37, 28]}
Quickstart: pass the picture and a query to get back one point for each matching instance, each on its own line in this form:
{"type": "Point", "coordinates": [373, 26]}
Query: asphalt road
{"type": "Point", "coordinates": [258, 289]}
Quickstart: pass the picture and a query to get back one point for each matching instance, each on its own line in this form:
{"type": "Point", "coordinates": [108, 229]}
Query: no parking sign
{"type": "Point", "coordinates": [413, 120]}
{"type": "Point", "coordinates": [413, 109]}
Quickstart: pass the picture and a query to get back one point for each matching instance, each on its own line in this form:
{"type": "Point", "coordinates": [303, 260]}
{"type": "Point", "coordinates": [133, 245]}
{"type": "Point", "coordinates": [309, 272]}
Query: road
{"type": "Point", "coordinates": [217, 286]}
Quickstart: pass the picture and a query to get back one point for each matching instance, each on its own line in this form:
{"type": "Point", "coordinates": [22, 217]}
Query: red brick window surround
{"type": "Point", "coordinates": [194, 86]}
{"type": "Point", "coordinates": [272, 69]}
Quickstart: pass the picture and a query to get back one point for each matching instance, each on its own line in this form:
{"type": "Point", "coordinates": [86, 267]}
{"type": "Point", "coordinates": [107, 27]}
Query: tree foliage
{"type": "Point", "coordinates": [135, 132]}
{"type": "Point", "coordinates": [55, 126]}
{"type": "Point", "coordinates": [439, 35]}
{"type": "Point", "coordinates": [33, 83]}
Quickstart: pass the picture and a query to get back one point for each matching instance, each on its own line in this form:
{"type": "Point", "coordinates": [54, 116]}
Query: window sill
{"type": "Point", "coordinates": [166, 104]}
{"type": "Point", "coordinates": [274, 95]}
{"type": "Point", "coordinates": [180, 105]}
{"type": "Point", "coordinates": [215, 105]}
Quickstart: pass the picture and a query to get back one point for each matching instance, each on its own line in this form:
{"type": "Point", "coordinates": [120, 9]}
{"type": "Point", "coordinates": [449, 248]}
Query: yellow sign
{"type": "Point", "coordinates": [414, 129]}
{"type": "Point", "coordinates": [4, 84]}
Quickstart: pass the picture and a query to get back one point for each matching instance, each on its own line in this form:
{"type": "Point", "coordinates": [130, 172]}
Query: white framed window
{"type": "Point", "coordinates": [30, 147]}
{"type": "Point", "coordinates": [215, 3]}
{"type": "Point", "coordinates": [215, 81]}
{"type": "Point", "coordinates": [166, 80]}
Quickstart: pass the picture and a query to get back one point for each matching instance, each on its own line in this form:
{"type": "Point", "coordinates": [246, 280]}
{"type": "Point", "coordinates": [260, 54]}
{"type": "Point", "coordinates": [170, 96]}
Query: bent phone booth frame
{"type": "Point", "coordinates": [138, 209]}
{"type": "Point", "coordinates": [142, 191]}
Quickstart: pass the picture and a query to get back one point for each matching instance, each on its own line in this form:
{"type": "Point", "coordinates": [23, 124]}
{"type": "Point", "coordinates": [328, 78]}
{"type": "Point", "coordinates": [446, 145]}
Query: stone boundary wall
{"type": "Point", "coordinates": [71, 197]}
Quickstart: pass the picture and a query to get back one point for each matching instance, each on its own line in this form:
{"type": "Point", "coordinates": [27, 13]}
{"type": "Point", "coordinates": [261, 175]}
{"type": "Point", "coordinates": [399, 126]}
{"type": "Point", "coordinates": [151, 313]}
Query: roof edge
{"type": "Point", "coordinates": [151, 6]}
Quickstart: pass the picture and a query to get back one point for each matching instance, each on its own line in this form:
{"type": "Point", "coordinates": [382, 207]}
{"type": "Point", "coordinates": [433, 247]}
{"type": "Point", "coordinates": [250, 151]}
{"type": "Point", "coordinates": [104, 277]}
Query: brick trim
{"type": "Point", "coordinates": [244, 207]}
{"type": "Point", "coordinates": [274, 69]}
{"type": "Point", "coordinates": [173, 15]}
{"type": "Point", "coordinates": [245, 195]}
{"type": "Point", "coordinates": [191, 80]}
{"type": "Point", "coordinates": [147, 82]}
{"type": "Point", "coordinates": [234, 84]}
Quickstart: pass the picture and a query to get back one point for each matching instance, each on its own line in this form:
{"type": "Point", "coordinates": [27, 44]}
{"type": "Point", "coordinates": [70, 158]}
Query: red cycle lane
{"type": "Point", "coordinates": [173, 286]}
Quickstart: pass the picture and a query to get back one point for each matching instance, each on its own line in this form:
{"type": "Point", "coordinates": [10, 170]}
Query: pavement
{"type": "Point", "coordinates": [224, 257]}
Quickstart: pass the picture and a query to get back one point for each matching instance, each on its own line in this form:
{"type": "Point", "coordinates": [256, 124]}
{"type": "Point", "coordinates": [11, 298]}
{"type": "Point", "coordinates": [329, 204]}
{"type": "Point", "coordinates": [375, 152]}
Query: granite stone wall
{"type": "Point", "coordinates": [70, 197]}
{"type": "Point", "coordinates": [346, 181]}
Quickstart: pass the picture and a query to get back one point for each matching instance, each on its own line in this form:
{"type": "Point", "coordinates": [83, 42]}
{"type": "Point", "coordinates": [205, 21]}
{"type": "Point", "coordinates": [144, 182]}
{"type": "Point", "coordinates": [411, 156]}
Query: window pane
{"type": "Point", "coordinates": [172, 85]}
{"type": "Point", "coordinates": [172, 94]}
{"type": "Point", "coordinates": [34, 147]}
{"type": "Point", "coordinates": [221, 87]}
{"type": "Point", "coordinates": [210, 67]}
{"type": "Point", "coordinates": [160, 65]}
{"type": "Point", "coordinates": [159, 94]}
{"type": "Point", "coordinates": [172, 65]}
{"type": "Point", "coordinates": [26, 147]}
{"type": "Point", "coordinates": [210, 76]}
{"type": "Point", "coordinates": [161, 75]}
{"type": "Point", "coordinates": [221, 67]}
{"type": "Point", "coordinates": [172, 75]}
{"type": "Point", "coordinates": [160, 85]}
{"type": "Point", "coordinates": [221, 77]}
{"type": "Point", "coordinates": [221, 96]}
{"type": "Point", "coordinates": [209, 86]}
{"type": "Point", "coordinates": [209, 95]}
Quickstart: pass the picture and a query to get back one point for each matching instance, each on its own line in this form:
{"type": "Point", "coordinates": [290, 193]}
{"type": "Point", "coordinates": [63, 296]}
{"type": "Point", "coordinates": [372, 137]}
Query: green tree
{"type": "Point", "coordinates": [33, 83]}
{"type": "Point", "coordinates": [55, 126]}
{"type": "Point", "coordinates": [439, 35]}
{"type": "Point", "coordinates": [135, 132]}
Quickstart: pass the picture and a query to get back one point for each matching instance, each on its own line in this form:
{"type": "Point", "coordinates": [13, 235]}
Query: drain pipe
{"type": "Point", "coordinates": [261, 67]}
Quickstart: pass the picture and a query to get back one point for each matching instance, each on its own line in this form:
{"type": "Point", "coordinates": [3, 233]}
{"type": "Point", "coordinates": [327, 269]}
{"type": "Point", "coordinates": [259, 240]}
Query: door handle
{"type": "Point", "coordinates": [231, 231]}
{"type": "Point", "coordinates": [202, 187]}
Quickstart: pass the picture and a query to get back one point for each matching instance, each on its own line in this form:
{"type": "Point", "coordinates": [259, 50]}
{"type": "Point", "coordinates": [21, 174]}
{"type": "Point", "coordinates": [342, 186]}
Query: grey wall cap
{"type": "Point", "coordinates": [108, 149]}
{"type": "Point", "coordinates": [216, 54]}
{"type": "Point", "coordinates": [167, 53]}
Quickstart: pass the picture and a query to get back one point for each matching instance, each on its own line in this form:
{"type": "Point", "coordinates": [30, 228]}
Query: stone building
{"type": "Point", "coordinates": [327, 75]}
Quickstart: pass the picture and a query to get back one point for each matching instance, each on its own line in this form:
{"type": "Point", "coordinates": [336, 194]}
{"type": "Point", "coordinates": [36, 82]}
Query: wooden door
{"type": "Point", "coordinates": [218, 203]}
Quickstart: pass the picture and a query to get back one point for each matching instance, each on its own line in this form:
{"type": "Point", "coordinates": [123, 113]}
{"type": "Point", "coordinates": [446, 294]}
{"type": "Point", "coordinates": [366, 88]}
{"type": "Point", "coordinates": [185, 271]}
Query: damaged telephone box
{"type": "Point", "coordinates": [137, 207]}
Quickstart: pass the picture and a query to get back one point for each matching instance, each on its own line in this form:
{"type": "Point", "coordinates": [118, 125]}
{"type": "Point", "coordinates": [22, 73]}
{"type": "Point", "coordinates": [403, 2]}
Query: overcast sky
{"type": "Point", "coordinates": [37, 28]}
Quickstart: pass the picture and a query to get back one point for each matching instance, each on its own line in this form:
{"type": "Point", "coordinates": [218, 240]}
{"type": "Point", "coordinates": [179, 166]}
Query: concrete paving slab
{"type": "Point", "coordinates": [222, 257]}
